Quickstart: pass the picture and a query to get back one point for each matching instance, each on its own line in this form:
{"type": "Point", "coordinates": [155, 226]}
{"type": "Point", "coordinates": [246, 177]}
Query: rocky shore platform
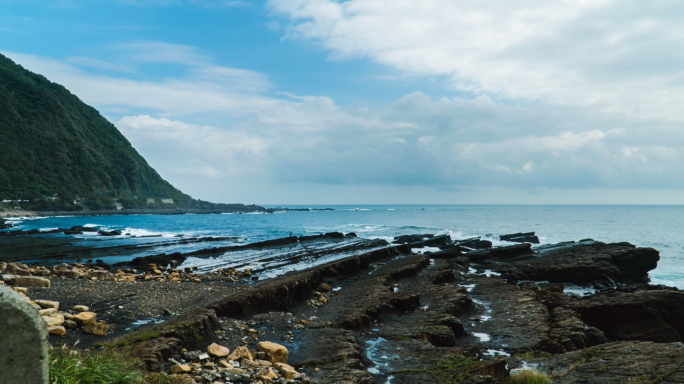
{"type": "Point", "coordinates": [367, 311]}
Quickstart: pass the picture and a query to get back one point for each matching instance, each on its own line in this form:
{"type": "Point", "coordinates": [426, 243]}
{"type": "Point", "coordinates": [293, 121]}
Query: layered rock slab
{"type": "Point", "coordinates": [620, 362]}
{"type": "Point", "coordinates": [646, 315]}
{"type": "Point", "coordinates": [581, 263]}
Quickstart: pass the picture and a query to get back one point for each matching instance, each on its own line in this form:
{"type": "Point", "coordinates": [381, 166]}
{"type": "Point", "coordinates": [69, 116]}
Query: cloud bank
{"type": "Point", "coordinates": [620, 56]}
{"type": "Point", "coordinates": [561, 98]}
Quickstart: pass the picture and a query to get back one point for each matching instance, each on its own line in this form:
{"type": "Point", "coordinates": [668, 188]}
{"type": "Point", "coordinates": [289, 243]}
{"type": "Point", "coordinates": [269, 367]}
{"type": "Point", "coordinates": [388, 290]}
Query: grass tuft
{"type": "Point", "coordinates": [71, 366]}
{"type": "Point", "coordinates": [530, 376]}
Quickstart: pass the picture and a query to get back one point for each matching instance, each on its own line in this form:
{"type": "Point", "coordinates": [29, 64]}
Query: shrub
{"type": "Point", "coordinates": [530, 376]}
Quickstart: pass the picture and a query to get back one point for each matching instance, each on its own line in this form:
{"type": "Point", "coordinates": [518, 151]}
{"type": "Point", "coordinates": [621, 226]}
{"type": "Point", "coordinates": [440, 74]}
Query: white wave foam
{"type": "Point", "coordinates": [20, 219]}
{"type": "Point", "coordinates": [367, 227]}
{"type": "Point", "coordinates": [144, 232]}
{"type": "Point", "coordinates": [482, 336]}
{"type": "Point", "coordinates": [354, 209]}
{"type": "Point", "coordinates": [388, 239]}
{"type": "Point", "coordinates": [421, 251]}
{"type": "Point", "coordinates": [576, 289]}
{"type": "Point", "coordinates": [524, 367]}
{"type": "Point", "coordinates": [496, 352]}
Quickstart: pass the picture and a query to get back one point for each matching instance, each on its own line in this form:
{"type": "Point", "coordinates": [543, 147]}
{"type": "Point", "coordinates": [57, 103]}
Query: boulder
{"type": "Point", "coordinates": [28, 281]}
{"type": "Point", "coordinates": [525, 237]}
{"type": "Point", "coordinates": [109, 233]}
{"type": "Point", "coordinates": [180, 368]}
{"type": "Point", "coordinates": [438, 241]}
{"type": "Point", "coordinates": [275, 353]}
{"type": "Point", "coordinates": [246, 363]}
{"type": "Point", "coordinates": [57, 331]}
{"type": "Point", "coordinates": [80, 308]}
{"type": "Point", "coordinates": [218, 351]}
{"type": "Point", "coordinates": [84, 318]}
{"type": "Point", "coordinates": [48, 311]}
{"type": "Point", "coordinates": [45, 304]}
{"type": "Point", "coordinates": [267, 372]}
{"type": "Point", "coordinates": [97, 329]}
{"type": "Point", "coordinates": [83, 229]}
{"type": "Point", "coordinates": [24, 340]}
{"type": "Point", "coordinates": [18, 269]}
{"type": "Point", "coordinates": [287, 371]}
{"type": "Point", "coordinates": [101, 275]}
{"type": "Point", "coordinates": [71, 274]}
{"type": "Point", "coordinates": [53, 320]}
{"type": "Point", "coordinates": [20, 290]}
{"type": "Point", "coordinates": [240, 353]}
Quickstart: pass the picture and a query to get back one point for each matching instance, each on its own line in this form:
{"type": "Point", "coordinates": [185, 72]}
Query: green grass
{"type": "Point", "coordinates": [453, 370]}
{"type": "Point", "coordinates": [71, 366]}
{"type": "Point", "coordinates": [530, 376]}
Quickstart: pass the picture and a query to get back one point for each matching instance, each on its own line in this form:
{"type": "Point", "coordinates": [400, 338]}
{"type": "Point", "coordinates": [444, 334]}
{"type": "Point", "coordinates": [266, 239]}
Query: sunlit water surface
{"type": "Point", "coordinates": [646, 226]}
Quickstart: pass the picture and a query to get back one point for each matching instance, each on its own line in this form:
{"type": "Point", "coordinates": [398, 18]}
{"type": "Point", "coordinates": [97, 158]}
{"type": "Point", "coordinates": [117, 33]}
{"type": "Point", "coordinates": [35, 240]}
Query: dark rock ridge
{"type": "Point", "coordinates": [444, 317]}
{"type": "Point", "coordinates": [444, 242]}
{"type": "Point", "coordinates": [527, 237]}
{"type": "Point", "coordinates": [582, 263]}
{"type": "Point", "coordinates": [619, 362]}
{"type": "Point", "coordinates": [4, 224]}
{"type": "Point", "coordinates": [647, 314]}
{"type": "Point", "coordinates": [346, 242]}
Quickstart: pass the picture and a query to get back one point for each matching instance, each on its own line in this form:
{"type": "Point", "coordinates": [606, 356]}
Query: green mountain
{"type": "Point", "coordinates": [53, 143]}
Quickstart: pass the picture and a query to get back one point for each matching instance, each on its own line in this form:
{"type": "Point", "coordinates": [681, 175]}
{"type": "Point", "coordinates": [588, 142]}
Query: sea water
{"type": "Point", "coordinates": [645, 226]}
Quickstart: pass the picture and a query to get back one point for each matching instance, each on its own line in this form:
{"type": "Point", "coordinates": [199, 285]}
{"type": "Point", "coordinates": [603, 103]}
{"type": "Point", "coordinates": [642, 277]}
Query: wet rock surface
{"type": "Point", "coordinates": [648, 315]}
{"type": "Point", "coordinates": [587, 262]}
{"type": "Point", "coordinates": [620, 362]}
{"type": "Point", "coordinates": [369, 312]}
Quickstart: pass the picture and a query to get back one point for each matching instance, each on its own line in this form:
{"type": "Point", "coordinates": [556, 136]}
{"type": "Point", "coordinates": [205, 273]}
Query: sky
{"type": "Point", "coordinates": [379, 101]}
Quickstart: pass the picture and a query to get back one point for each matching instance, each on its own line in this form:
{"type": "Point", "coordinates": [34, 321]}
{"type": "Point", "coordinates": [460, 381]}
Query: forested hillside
{"type": "Point", "coordinates": [53, 143]}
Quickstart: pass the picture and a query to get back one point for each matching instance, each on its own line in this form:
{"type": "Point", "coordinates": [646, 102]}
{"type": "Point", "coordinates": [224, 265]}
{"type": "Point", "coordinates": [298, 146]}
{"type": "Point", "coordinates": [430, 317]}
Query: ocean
{"type": "Point", "coordinates": [646, 226]}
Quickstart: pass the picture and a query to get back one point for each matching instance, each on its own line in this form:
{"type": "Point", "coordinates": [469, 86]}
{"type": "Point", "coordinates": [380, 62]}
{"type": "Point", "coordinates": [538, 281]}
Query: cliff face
{"type": "Point", "coordinates": [51, 142]}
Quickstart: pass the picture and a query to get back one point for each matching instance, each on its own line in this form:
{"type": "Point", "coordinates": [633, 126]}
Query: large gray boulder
{"type": "Point", "coordinates": [23, 337]}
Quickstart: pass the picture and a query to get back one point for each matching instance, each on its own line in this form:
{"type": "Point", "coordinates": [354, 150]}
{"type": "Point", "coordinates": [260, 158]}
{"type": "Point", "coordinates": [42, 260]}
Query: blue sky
{"type": "Point", "coordinates": [379, 101]}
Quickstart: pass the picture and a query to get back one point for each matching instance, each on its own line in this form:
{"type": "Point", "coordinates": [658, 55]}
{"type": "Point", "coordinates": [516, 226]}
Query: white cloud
{"type": "Point", "coordinates": [622, 56]}
{"type": "Point", "coordinates": [190, 149]}
{"type": "Point", "coordinates": [101, 64]}
{"type": "Point", "coordinates": [232, 140]}
{"type": "Point", "coordinates": [231, 90]}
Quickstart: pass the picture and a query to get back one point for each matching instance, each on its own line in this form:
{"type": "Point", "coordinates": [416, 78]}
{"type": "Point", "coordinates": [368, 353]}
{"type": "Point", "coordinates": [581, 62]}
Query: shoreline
{"type": "Point", "coordinates": [23, 213]}
{"type": "Point", "coordinates": [392, 313]}
{"type": "Point", "coordinates": [388, 312]}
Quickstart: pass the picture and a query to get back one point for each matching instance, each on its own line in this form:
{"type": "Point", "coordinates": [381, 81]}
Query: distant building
{"type": "Point", "coordinates": [118, 206]}
{"type": "Point", "coordinates": [150, 201]}
{"type": "Point", "coordinates": [167, 201]}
